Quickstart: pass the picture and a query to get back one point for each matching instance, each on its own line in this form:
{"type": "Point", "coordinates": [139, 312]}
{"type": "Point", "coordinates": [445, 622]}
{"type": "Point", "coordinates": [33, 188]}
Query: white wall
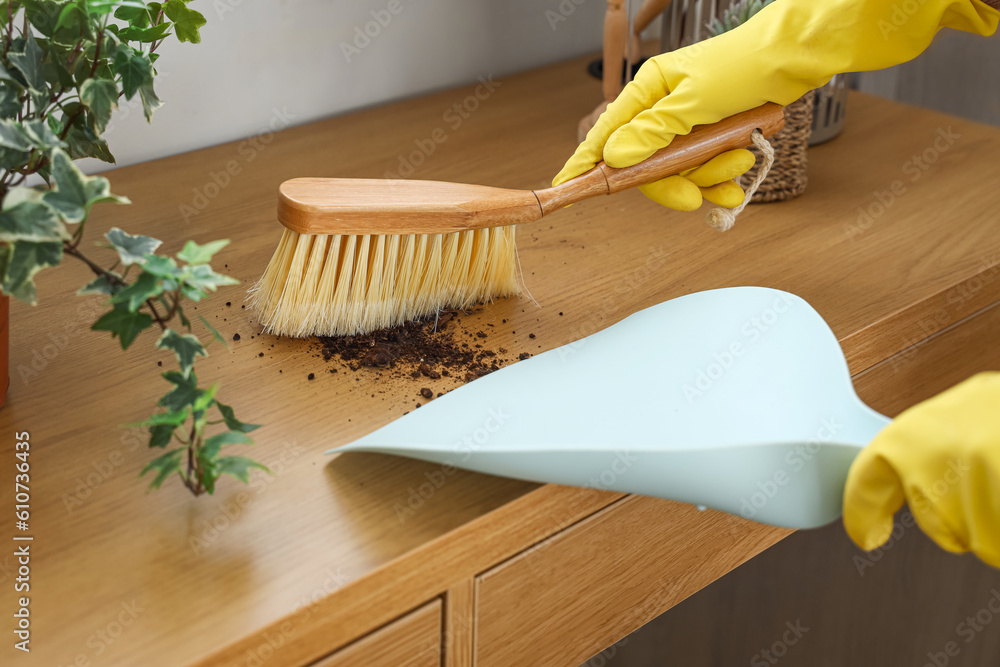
{"type": "Point", "coordinates": [260, 55]}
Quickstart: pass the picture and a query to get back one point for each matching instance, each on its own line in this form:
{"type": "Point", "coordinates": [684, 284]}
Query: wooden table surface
{"type": "Point", "coordinates": [124, 577]}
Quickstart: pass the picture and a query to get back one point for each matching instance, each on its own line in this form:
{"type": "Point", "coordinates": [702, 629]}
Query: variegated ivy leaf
{"type": "Point", "coordinates": [186, 346]}
{"type": "Point", "coordinates": [75, 193]}
{"type": "Point", "coordinates": [131, 249]}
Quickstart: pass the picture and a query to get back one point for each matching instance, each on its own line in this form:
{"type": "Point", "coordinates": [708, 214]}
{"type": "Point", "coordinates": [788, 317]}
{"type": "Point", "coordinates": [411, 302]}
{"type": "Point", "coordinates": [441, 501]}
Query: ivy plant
{"type": "Point", "coordinates": [65, 66]}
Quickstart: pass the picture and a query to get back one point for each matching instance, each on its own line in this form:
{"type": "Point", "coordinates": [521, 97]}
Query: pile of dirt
{"type": "Point", "coordinates": [431, 349]}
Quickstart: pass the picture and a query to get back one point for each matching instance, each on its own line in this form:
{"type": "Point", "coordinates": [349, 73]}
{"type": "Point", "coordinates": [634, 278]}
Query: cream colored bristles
{"type": "Point", "coordinates": [344, 285]}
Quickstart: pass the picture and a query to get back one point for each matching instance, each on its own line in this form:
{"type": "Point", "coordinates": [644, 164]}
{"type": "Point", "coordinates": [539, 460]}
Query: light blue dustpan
{"type": "Point", "coordinates": [738, 399]}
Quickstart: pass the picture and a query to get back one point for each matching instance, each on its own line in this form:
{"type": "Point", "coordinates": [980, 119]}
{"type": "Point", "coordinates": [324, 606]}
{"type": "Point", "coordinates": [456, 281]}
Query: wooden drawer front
{"type": "Point", "coordinates": [411, 641]}
{"type": "Point", "coordinates": [933, 365]}
{"type": "Point", "coordinates": [585, 588]}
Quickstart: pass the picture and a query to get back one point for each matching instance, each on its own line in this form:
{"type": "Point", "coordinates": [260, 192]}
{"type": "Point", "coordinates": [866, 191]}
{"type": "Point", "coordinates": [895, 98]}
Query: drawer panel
{"type": "Point", "coordinates": [413, 640]}
{"type": "Point", "coordinates": [585, 588]}
{"type": "Point", "coordinates": [931, 366]}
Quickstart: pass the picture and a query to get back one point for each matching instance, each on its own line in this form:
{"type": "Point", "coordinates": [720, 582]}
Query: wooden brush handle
{"type": "Point", "coordinates": [686, 151]}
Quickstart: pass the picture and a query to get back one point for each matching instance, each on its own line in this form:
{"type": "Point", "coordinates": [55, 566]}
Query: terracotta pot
{"type": "Point", "coordinates": [4, 347]}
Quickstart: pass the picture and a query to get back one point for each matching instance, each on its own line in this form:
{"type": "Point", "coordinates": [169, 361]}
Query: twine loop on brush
{"type": "Point", "coordinates": [724, 218]}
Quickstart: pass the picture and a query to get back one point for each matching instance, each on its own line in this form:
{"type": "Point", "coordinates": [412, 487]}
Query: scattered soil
{"type": "Point", "coordinates": [418, 351]}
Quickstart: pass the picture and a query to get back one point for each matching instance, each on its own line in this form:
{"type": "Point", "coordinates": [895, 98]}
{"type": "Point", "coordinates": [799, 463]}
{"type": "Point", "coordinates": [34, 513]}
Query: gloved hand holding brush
{"type": "Point", "coordinates": [789, 48]}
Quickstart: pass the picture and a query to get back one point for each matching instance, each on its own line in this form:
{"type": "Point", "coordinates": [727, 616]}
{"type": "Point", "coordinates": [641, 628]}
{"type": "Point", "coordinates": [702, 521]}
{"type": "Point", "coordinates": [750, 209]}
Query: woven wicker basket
{"type": "Point", "coordinates": [788, 177]}
{"type": "Point", "coordinates": [683, 24]}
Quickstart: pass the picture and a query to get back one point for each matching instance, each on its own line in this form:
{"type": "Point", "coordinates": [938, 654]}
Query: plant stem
{"type": "Point", "coordinates": [72, 251]}
{"type": "Point", "coordinates": [10, 28]}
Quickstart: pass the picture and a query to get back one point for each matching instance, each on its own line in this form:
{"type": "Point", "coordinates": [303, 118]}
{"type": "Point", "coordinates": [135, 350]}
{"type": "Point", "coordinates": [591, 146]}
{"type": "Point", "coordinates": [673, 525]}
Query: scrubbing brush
{"type": "Point", "coordinates": [359, 255]}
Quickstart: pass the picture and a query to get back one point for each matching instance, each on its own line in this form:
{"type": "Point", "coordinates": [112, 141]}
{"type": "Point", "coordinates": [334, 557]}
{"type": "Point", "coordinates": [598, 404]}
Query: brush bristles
{"type": "Point", "coordinates": [345, 285]}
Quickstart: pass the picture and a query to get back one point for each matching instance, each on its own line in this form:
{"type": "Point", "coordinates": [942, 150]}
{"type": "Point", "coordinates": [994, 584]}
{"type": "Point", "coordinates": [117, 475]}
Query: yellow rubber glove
{"type": "Point", "coordinates": [942, 457]}
{"type": "Point", "coordinates": [786, 50]}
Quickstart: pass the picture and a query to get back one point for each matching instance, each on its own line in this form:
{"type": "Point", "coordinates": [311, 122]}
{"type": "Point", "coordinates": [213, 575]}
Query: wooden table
{"type": "Point", "coordinates": [314, 564]}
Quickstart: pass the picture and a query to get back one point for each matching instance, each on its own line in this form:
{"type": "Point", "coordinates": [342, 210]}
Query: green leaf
{"type": "Point", "coordinates": [239, 467]}
{"type": "Point", "coordinates": [135, 69]}
{"type": "Point", "coordinates": [215, 333]}
{"type": "Point", "coordinates": [137, 17]}
{"type": "Point", "coordinates": [164, 466]}
{"type": "Point", "coordinates": [185, 322]}
{"type": "Point", "coordinates": [29, 63]}
{"type": "Point", "coordinates": [5, 75]}
{"type": "Point", "coordinates": [123, 323]}
{"type": "Point", "coordinates": [150, 102]}
{"type": "Point", "coordinates": [146, 286]}
{"type": "Point", "coordinates": [187, 21]}
{"type": "Point", "coordinates": [165, 267]}
{"type": "Point", "coordinates": [172, 418]}
{"type": "Point", "coordinates": [200, 254]}
{"type": "Point", "coordinates": [145, 35]}
{"type": "Point", "coordinates": [99, 285]}
{"type": "Point", "coordinates": [232, 423]}
{"type": "Point", "coordinates": [159, 435]}
{"type": "Point", "coordinates": [185, 392]}
{"type": "Point", "coordinates": [83, 142]}
{"type": "Point", "coordinates": [71, 14]}
{"type": "Point", "coordinates": [10, 101]}
{"type": "Point", "coordinates": [75, 193]}
{"type": "Point", "coordinates": [192, 293]}
{"type": "Point", "coordinates": [212, 445]}
{"type": "Point", "coordinates": [185, 346]}
{"type": "Point", "coordinates": [101, 97]}
{"type": "Point", "coordinates": [41, 135]}
{"type": "Point", "coordinates": [12, 160]}
{"type": "Point", "coordinates": [31, 221]}
{"type": "Point", "coordinates": [13, 136]}
{"type": "Point", "coordinates": [205, 400]}
{"type": "Point", "coordinates": [102, 7]}
{"type": "Point", "coordinates": [20, 194]}
{"type": "Point", "coordinates": [27, 259]}
{"type": "Point", "coordinates": [132, 249]}
{"type": "Point", "coordinates": [204, 278]}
